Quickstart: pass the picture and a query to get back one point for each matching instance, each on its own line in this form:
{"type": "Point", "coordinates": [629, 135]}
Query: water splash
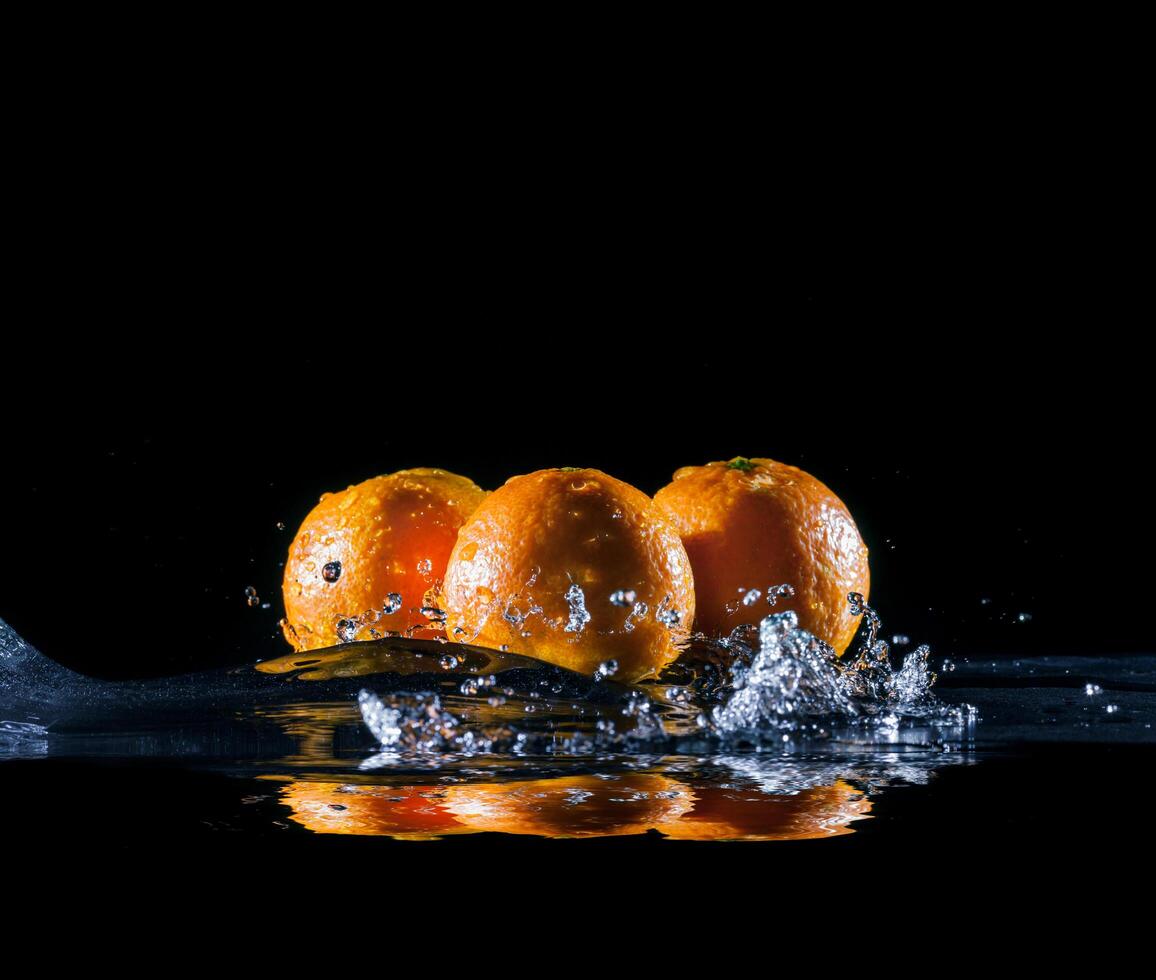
{"type": "Point", "coordinates": [753, 687]}
{"type": "Point", "coordinates": [579, 617]}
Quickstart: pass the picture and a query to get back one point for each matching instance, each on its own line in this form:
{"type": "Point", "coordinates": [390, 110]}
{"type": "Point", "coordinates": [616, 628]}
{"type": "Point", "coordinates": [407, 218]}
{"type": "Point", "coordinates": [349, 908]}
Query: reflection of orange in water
{"type": "Point", "coordinates": [372, 810]}
{"type": "Point", "coordinates": [389, 534]}
{"type": "Point", "coordinates": [738, 814]}
{"type": "Point", "coordinates": [573, 806]}
{"type": "Point", "coordinates": [754, 523]}
{"type": "Point", "coordinates": [539, 535]}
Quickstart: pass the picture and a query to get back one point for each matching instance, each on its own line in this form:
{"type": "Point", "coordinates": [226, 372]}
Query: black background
{"type": "Point", "coordinates": [222, 305]}
{"type": "Point", "coordinates": [978, 401]}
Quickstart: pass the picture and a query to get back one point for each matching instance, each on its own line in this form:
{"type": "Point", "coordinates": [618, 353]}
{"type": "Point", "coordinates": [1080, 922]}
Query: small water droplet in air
{"type": "Point", "coordinates": [623, 597]}
{"type": "Point", "coordinates": [251, 597]}
{"type": "Point", "coordinates": [1024, 617]}
{"type": "Point", "coordinates": [751, 597]}
{"type": "Point", "coordinates": [280, 525]}
{"type": "Point", "coordinates": [1093, 689]}
{"type": "Point", "coordinates": [347, 630]}
{"type": "Point", "coordinates": [425, 566]}
{"type": "Point", "coordinates": [448, 661]}
{"type": "Point", "coordinates": [1111, 708]}
{"type": "Point", "coordinates": [900, 640]}
{"type": "Point", "coordinates": [391, 605]}
{"type": "Point", "coordinates": [332, 571]}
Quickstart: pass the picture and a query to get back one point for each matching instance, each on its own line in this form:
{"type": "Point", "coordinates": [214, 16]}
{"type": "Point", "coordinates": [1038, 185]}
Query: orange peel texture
{"type": "Point", "coordinates": [755, 523]}
{"type": "Point", "coordinates": [575, 568]}
{"type": "Point", "coordinates": [390, 535]}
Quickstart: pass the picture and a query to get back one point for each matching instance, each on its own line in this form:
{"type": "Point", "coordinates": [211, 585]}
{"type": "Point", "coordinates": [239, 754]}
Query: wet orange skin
{"type": "Point", "coordinates": [751, 524]}
{"type": "Point", "coordinates": [391, 534]}
{"type": "Point", "coordinates": [534, 537]}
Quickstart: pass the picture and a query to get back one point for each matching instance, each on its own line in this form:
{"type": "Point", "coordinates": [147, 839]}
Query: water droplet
{"type": "Point", "coordinates": [280, 525]}
{"type": "Point", "coordinates": [251, 597]}
{"type": "Point", "coordinates": [607, 668]}
{"type": "Point", "coordinates": [332, 571]}
{"type": "Point", "coordinates": [900, 640]}
{"type": "Point", "coordinates": [1093, 689]}
{"type": "Point", "coordinates": [751, 597]}
{"type": "Point", "coordinates": [391, 605]}
{"type": "Point", "coordinates": [777, 592]}
{"type": "Point", "coordinates": [448, 661]}
{"type": "Point", "coordinates": [623, 597]}
{"type": "Point", "coordinates": [347, 630]}
{"type": "Point", "coordinates": [425, 566]}
{"type": "Point", "coordinates": [1024, 617]}
{"type": "Point", "coordinates": [579, 617]}
{"type": "Point", "coordinates": [638, 612]}
{"type": "Point", "coordinates": [1111, 708]}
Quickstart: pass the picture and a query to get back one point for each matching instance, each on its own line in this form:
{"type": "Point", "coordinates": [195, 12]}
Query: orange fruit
{"type": "Point", "coordinates": [750, 524]}
{"type": "Point", "coordinates": [388, 536]}
{"type": "Point", "coordinates": [573, 567]}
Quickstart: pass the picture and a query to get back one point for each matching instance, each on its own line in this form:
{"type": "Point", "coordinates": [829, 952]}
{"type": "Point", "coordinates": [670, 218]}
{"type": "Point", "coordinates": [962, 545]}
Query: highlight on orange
{"type": "Point", "coordinates": [575, 568]}
{"type": "Point", "coordinates": [369, 555]}
{"type": "Point", "coordinates": [750, 524]}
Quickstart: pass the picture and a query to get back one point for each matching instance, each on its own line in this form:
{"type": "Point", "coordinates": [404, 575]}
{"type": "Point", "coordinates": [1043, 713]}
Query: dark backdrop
{"type": "Point", "coordinates": [982, 412]}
